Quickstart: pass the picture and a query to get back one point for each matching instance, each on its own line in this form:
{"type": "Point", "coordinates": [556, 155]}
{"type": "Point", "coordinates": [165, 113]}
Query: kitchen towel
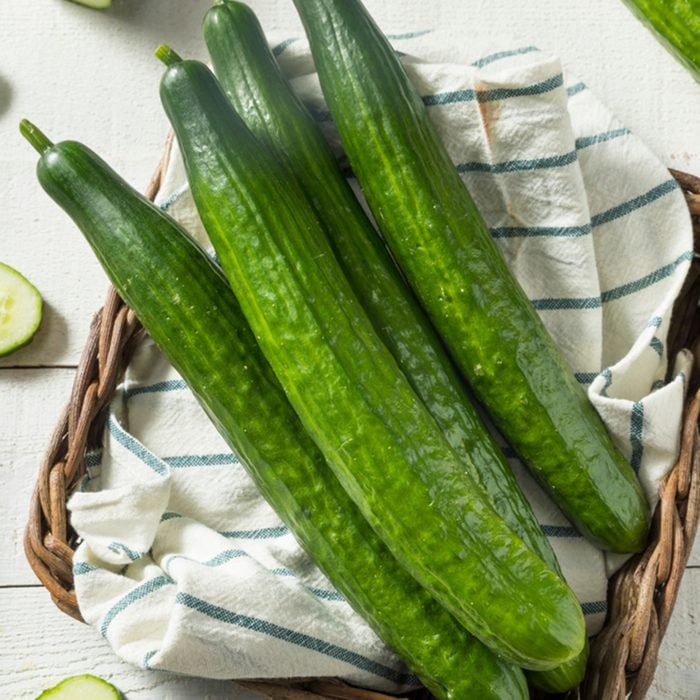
{"type": "Point", "coordinates": [184, 567]}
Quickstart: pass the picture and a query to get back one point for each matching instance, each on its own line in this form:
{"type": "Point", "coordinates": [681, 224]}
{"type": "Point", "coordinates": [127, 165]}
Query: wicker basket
{"type": "Point", "coordinates": [641, 596]}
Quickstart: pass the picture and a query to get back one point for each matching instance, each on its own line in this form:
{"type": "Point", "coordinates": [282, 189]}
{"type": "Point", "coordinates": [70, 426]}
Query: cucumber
{"type": "Point", "coordinates": [258, 91]}
{"type": "Point", "coordinates": [383, 445]}
{"type": "Point", "coordinates": [446, 252]}
{"type": "Point", "coordinates": [676, 24]}
{"type": "Point", "coordinates": [20, 310]}
{"type": "Point", "coordinates": [85, 687]}
{"type": "Point", "coordinates": [187, 306]}
{"type": "Point", "coordinates": [249, 74]}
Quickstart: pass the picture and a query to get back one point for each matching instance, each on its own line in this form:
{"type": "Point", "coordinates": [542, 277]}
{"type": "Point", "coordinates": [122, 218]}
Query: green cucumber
{"type": "Point", "coordinates": [20, 310]}
{"type": "Point", "coordinates": [262, 97]}
{"type": "Point", "coordinates": [253, 82]}
{"type": "Point", "coordinates": [187, 306]}
{"type": "Point", "coordinates": [676, 24]}
{"type": "Point", "coordinates": [446, 252]}
{"type": "Point", "coordinates": [377, 436]}
{"type": "Point", "coordinates": [85, 687]}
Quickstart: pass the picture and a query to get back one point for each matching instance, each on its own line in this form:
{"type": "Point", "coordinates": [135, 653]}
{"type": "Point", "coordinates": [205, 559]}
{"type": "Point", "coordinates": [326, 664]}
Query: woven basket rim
{"type": "Point", "coordinates": [641, 595]}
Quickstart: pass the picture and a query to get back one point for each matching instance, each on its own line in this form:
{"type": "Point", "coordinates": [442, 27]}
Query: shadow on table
{"type": "Point", "coordinates": [5, 95]}
{"type": "Point", "coordinates": [47, 348]}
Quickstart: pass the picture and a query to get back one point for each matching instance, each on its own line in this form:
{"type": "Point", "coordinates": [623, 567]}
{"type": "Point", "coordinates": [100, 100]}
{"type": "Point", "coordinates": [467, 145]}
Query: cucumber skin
{"type": "Point", "coordinates": [676, 24]}
{"type": "Point", "coordinates": [378, 438]}
{"type": "Point", "coordinates": [249, 74]}
{"type": "Point", "coordinates": [252, 80]}
{"type": "Point", "coordinates": [444, 248]}
{"type": "Point", "coordinates": [186, 304]}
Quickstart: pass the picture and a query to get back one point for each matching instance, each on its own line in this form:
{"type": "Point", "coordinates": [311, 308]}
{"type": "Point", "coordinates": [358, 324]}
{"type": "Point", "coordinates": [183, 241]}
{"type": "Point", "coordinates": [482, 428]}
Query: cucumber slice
{"type": "Point", "coordinates": [97, 4]}
{"type": "Point", "coordinates": [20, 310]}
{"type": "Point", "coordinates": [85, 687]}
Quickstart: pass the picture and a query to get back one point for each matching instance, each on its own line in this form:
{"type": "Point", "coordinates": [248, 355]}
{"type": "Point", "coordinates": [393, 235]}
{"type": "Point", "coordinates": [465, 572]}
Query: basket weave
{"type": "Point", "coordinates": [641, 595]}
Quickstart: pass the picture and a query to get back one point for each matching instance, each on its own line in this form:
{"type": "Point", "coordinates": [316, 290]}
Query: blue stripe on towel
{"type": "Point", "coordinates": [469, 95]}
{"type": "Point", "coordinates": [264, 533]}
{"type": "Point", "coordinates": [595, 607]}
{"type": "Point", "coordinates": [231, 554]}
{"type": "Point", "coordinates": [168, 385]}
{"type": "Point", "coordinates": [169, 515]}
{"type": "Point", "coordinates": [147, 659]}
{"type": "Point", "coordinates": [120, 548]}
{"type": "Point", "coordinates": [277, 50]}
{"type": "Point", "coordinates": [575, 89]}
{"type": "Point", "coordinates": [82, 568]}
{"type": "Point", "coordinates": [547, 231]}
{"type": "Point", "coordinates": [291, 636]}
{"type": "Point", "coordinates": [94, 458]}
{"type": "Point", "coordinates": [130, 598]}
{"type": "Point", "coordinates": [219, 560]}
{"type": "Point", "coordinates": [604, 217]}
{"type": "Point", "coordinates": [560, 531]}
{"type": "Point", "coordinates": [210, 460]}
{"type": "Point", "coordinates": [636, 432]}
{"type": "Point", "coordinates": [558, 303]}
{"type": "Point", "coordinates": [322, 593]}
{"type": "Point", "coordinates": [511, 166]}
{"type": "Point", "coordinates": [135, 447]}
{"type": "Point", "coordinates": [408, 35]}
{"type": "Point", "coordinates": [585, 377]}
{"type": "Point", "coordinates": [633, 204]}
{"type": "Point", "coordinates": [586, 141]}
{"type": "Point", "coordinates": [657, 345]}
{"type": "Point", "coordinates": [646, 281]}
{"type": "Point", "coordinates": [492, 58]}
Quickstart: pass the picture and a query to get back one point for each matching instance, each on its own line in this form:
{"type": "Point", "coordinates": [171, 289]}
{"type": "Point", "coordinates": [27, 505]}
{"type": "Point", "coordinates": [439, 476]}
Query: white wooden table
{"type": "Point", "coordinates": [91, 76]}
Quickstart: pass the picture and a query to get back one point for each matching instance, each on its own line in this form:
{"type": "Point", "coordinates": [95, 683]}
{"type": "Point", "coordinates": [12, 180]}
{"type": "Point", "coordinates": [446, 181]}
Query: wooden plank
{"type": "Point", "coordinates": [678, 671]}
{"type": "Point", "coordinates": [40, 646]}
{"type": "Point", "coordinates": [27, 421]}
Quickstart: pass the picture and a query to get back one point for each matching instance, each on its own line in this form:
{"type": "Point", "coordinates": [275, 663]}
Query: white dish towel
{"type": "Point", "coordinates": [184, 567]}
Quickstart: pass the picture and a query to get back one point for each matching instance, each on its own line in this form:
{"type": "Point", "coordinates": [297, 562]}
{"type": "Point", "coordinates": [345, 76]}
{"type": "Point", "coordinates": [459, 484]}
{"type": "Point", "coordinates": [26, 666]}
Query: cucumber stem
{"type": "Point", "coordinates": [167, 55]}
{"type": "Point", "coordinates": [35, 136]}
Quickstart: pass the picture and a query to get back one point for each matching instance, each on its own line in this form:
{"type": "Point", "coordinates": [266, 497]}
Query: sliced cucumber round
{"type": "Point", "coordinates": [85, 687]}
{"type": "Point", "coordinates": [20, 310]}
{"type": "Point", "coordinates": [97, 4]}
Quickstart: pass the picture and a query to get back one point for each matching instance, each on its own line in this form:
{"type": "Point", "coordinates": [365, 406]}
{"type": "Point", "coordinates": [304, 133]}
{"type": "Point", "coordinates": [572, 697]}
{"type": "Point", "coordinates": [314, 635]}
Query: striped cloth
{"type": "Point", "coordinates": [184, 567]}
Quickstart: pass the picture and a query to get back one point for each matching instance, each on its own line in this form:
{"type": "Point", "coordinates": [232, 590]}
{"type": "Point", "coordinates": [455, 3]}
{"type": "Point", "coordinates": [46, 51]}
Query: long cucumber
{"type": "Point", "coordinates": [379, 439]}
{"type": "Point", "coordinates": [252, 80]}
{"type": "Point", "coordinates": [444, 248]}
{"type": "Point", "coordinates": [249, 74]}
{"type": "Point", "coordinates": [186, 304]}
